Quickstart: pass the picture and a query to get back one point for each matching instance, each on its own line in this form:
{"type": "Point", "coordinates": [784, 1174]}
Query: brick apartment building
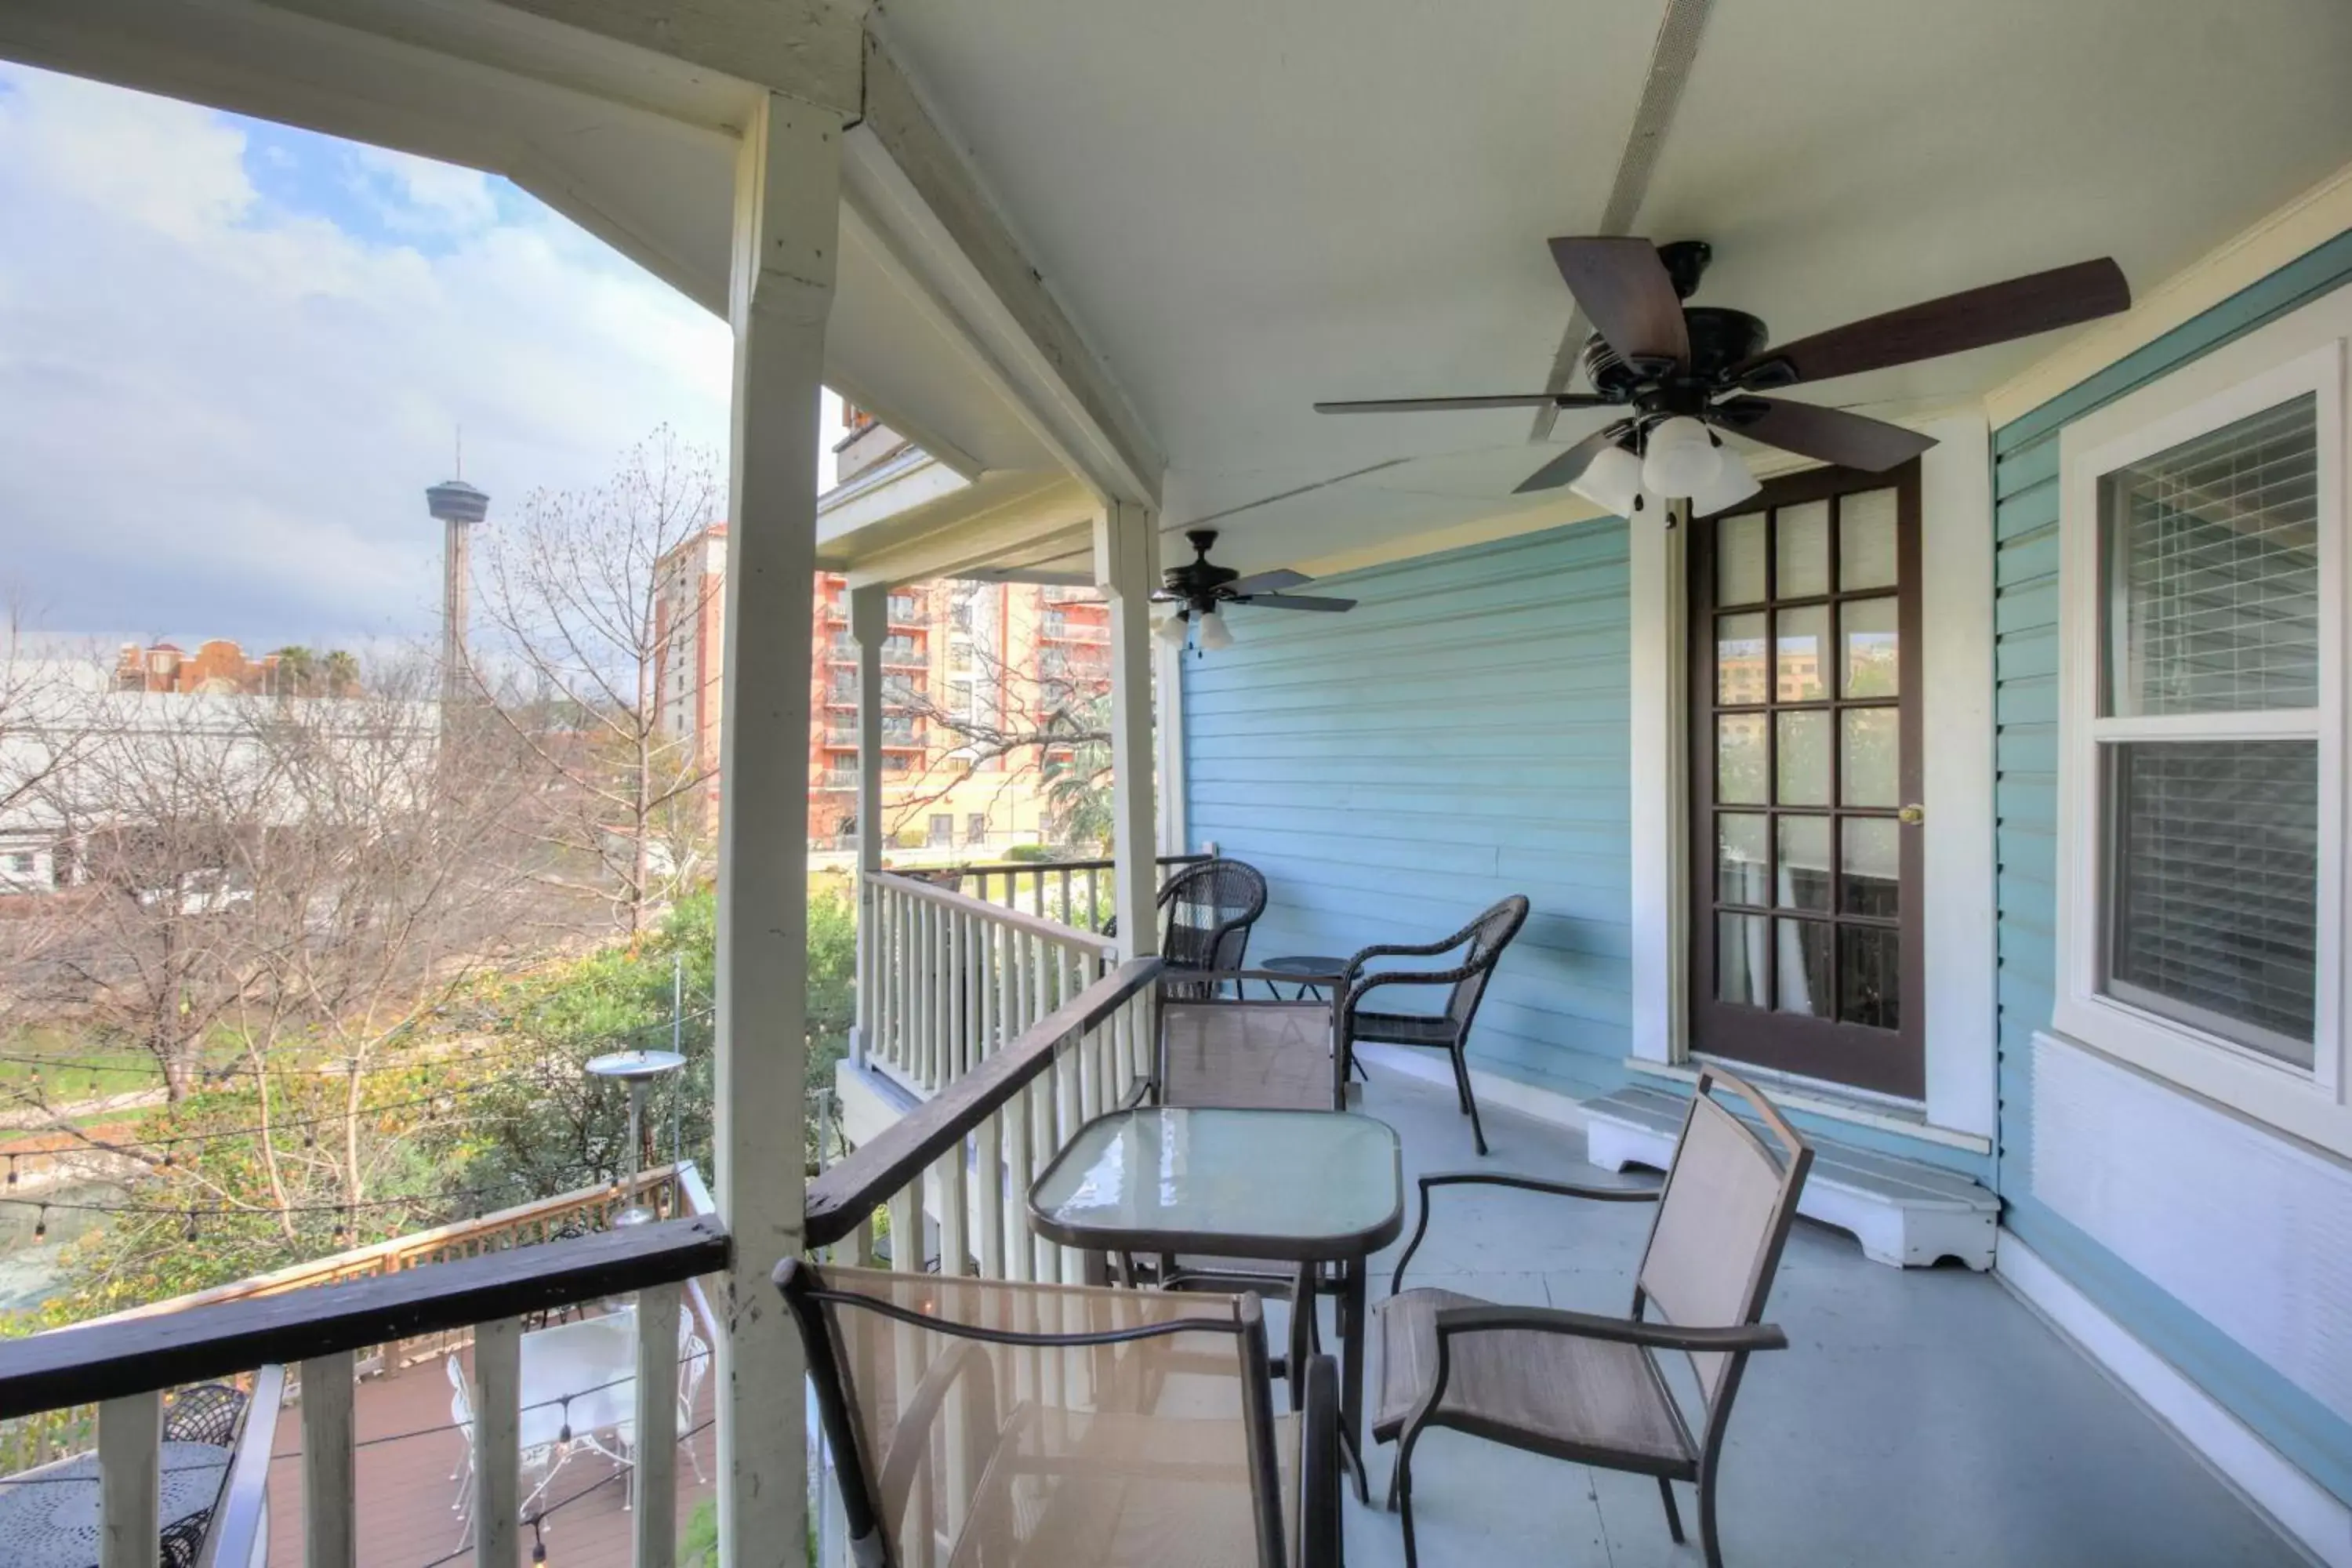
{"type": "Point", "coordinates": [219, 668]}
{"type": "Point", "coordinates": [949, 651]}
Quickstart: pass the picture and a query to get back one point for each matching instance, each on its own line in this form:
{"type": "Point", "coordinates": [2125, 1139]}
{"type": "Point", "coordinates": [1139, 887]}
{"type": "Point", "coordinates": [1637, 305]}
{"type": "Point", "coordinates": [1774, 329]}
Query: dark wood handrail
{"type": "Point", "coordinates": [841, 1199]}
{"type": "Point", "coordinates": [109, 1361]}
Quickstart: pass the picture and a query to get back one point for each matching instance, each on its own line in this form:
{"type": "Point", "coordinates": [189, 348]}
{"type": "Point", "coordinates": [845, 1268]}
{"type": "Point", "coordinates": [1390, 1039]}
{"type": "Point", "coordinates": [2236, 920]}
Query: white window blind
{"type": "Point", "coordinates": [2212, 556]}
{"type": "Point", "coordinates": [2210, 597]}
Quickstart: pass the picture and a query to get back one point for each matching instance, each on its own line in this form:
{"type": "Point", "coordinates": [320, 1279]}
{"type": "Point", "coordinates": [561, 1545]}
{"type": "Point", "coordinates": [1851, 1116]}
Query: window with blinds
{"type": "Point", "coordinates": [2210, 601]}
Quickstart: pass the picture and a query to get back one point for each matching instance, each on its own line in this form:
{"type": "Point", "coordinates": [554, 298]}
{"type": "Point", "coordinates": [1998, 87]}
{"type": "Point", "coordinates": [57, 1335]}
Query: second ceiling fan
{"type": "Point", "coordinates": [1679, 369]}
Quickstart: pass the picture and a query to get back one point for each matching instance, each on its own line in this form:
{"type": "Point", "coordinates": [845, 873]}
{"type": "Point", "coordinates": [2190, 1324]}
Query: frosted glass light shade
{"type": "Point", "coordinates": [1730, 484]}
{"type": "Point", "coordinates": [1214, 632]}
{"type": "Point", "coordinates": [1611, 481]}
{"type": "Point", "coordinates": [1682, 456]}
{"type": "Point", "coordinates": [1171, 627]}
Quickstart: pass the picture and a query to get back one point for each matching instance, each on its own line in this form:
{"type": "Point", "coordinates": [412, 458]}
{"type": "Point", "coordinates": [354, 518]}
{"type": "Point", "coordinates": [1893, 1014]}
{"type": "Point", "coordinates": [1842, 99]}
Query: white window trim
{"type": "Point", "coordinates": [2304, 353]}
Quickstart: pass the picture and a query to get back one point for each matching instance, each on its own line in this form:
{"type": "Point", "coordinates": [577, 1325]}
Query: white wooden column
{"type": "Point", "coordinates": [1168, 692]}
{"type": "Point", "coordinates": [1127, 560]}
{"type": "Point", "coordinates": [1659, 728]}
{"type": "Point", "coordinates": [129, 1479]}
{"type": "Point", "coordinates": [787, 224]}
{"type": "Point", "coordinates": [869, 623]}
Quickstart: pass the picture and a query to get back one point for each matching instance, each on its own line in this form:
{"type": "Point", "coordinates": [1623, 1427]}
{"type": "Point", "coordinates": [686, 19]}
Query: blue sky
{"type": "Point", "coordinates": [233, 355]}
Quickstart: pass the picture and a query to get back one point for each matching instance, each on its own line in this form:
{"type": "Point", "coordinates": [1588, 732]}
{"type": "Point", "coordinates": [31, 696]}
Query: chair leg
{"type": "Point", "coordinates": [1401, 1495]}
{"type": "Point", "coordinates": [1674, 1517]}
{"type": "Point", "coordinates": [1469, 1101]}
{"type": "Point", "coordinates": [1707, 1538]}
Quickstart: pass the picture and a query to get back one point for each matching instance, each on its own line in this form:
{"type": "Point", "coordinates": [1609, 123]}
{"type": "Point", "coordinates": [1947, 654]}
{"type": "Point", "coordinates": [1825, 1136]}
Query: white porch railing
{"type": "Point", "coordinates": [953, 1177]}
{"type": "Point", "coordinates": [945, 981]}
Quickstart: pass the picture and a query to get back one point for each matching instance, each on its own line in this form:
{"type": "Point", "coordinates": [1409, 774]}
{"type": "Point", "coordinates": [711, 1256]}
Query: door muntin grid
{"type": "Point", "coordinates": [1807, 679]}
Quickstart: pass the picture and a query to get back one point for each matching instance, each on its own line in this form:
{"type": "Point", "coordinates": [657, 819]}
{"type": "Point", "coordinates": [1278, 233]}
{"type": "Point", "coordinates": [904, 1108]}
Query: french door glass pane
{"type": "Point", "coordinates": [1739, 751]}
{"type": "Point", "coordinates": [1739, 559]}
{"type": "Point", "coordinates": [1870, 976]}
{"type": "Point", "coordinates": [1805, 863]}
{"type": "Point", "coordinates": [1867, 556]}
{"type": "Point", "coordinates": [1870, 654]}
{"type": "Point", "coordinates": [1802, 964]}
{"type": "Point", "coordinates": [1803, 774]}
{"type": "Point", "coordinates": [1800, 646]}
{"type": "Point", "coordinates": [1740, 659]}
{"type": "Point", "coordinates": [1802, 551]}
{"type": "Point", "coordinates": [1871, 867]}
{"type": "Point", "coordinates": [2214, 878]}
{"type": "Point", "coordinates": [1873, 756]}
{"type": "Point", "coordinates": [1740, 960]}
{"type": "Point", "coordinates": [1739, 844]}
{"type": "Point", "coordinates": [2210, 551]}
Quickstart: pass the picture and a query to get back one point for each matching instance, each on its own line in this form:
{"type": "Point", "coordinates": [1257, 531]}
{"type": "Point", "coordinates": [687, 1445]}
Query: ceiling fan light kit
{"type": "Point", "coordinates": [1681, 457]}
{"type": "Point", "coordinates": [1213, 634]}
{"type": "Point", "coordinates": [1727, 485]}
{"type": "Point", "coordinates": [1613, 481]}
{"type": "Point", "coordinates": [1676, 369]}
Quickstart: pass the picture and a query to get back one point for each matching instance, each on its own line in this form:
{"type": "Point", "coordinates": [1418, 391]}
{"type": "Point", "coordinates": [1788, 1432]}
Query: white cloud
{"type": "Point", "coordinates": [436, 195]}
{"type": "Point", "coordinates": [219, 403]}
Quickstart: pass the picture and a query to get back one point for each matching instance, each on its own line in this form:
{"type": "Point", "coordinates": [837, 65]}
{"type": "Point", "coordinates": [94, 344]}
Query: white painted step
{"type": "Point", "coordinates": [1905, 1213]}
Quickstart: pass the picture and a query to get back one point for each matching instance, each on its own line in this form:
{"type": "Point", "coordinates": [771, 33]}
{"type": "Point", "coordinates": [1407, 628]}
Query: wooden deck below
{"type": "Point", "coordinates": [408, 1452]}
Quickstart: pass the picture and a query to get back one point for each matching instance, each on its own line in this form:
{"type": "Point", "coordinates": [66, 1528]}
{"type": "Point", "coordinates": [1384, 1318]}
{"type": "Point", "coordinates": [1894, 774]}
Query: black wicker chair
{"type": "Point", "coordinates": [207, 1413]}
{"type": "Point", "coordinates": [1206, 910]}
{"type": "Point", "coordinates": [1449, 1031]}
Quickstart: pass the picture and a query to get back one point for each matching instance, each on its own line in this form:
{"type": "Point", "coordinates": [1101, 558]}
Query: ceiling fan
{"type": "Point", "coordinates": [1677, 369]}
{"type": "Point", "coordinates": [1202, 589]}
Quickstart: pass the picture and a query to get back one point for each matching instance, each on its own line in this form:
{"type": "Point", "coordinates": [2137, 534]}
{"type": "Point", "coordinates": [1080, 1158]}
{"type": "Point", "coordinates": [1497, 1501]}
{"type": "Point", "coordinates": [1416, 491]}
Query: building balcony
{"type": "Point", "coordinates": [1825, 1459]}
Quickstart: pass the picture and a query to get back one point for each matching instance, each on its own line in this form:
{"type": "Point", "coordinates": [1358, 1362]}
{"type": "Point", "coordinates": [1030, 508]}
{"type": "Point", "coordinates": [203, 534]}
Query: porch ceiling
{"type": "Point", "coordinates": [1247, 208]}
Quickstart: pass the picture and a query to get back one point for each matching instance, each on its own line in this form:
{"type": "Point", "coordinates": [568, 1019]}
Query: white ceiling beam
{"type": "Point", "coordinates": [922, 195]}
{"type": "Point", "coordinates": [806, 49]}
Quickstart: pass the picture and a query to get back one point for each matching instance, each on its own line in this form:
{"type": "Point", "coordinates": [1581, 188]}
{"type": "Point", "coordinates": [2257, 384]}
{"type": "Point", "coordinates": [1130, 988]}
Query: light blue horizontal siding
{"type": "Point", "coordinates": [2025, 530]}
{"type": "Point", "coordinates": [1460, 735]}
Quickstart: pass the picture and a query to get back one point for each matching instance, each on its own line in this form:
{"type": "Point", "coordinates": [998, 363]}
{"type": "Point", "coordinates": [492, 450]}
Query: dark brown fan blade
{"type": "Point", "coordinates": [1995, 313]}
{"type": "Point", "coordinates": [1272, 582]}
{"type": "Point", "coordinates": [1570, 466]}
{"type": "Point", "coordinates": [1458, 404]}
{"type": "Point", "coordinates": [1297, 602]}
{"type": "Point", "coordinates": [1853, 440]}
{"type": "Point", "coordinates": [1623, 287]}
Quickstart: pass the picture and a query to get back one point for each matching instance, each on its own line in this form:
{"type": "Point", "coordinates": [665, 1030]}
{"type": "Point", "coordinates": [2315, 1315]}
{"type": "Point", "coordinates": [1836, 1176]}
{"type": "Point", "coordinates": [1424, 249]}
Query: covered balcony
{"type": "Point", "coordinates": [2067, 1286]}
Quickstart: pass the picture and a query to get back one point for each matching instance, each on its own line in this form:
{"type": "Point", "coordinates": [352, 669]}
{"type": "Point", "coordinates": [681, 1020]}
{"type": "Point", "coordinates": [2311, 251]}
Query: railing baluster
{"type": "Point", "coordinates": [498, 1439]}
{"type": "Point", "coordinates": [652, 1473]}
{"type": "Point", "coordinates": [949, 1172]}
{"type": "Point", "coordinates": [330, 1496]}
{"type": "Point", "coordinates": [1064, 916]}
{"type": "Point", "coordinates": [989, 969]}
{"type": "Point", "coordinates": [1021, 1248]}
{"type": "Point", "coordinates": [989, 1197]}
{"type": "Point", "coordinates": [131, 1480]}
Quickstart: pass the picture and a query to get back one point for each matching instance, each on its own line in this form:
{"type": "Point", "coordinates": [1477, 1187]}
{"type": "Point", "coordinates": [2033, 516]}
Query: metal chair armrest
{"type": "Point", "coordinates": [1401, 950]}
{"type": "Point", "coordinates": [1505, 1179]}
{"type": "Point", "coordinates": [1453, 1321]}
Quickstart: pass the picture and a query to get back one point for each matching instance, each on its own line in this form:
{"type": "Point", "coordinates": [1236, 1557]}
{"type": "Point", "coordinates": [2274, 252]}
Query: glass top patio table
{"type": "Point", "coordinates": [1294, 1185]}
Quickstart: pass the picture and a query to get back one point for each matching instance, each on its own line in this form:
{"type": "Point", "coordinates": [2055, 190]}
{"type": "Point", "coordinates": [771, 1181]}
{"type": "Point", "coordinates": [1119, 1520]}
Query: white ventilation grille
{"type": "Point", "coordinates": [2253, 1234]}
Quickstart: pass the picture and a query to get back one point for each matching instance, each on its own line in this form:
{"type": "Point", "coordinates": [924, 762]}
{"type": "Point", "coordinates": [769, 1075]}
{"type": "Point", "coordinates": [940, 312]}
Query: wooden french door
{"type": "Point", "coordinates": [1806, 854]}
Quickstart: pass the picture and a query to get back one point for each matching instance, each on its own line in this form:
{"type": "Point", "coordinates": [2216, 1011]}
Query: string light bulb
{"type": "Point", "coordinates": [41, 1225]}
{"type": "Point", "coordinates": [12, 1170]}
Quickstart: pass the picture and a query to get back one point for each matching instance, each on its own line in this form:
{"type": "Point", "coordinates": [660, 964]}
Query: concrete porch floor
{"type": "Point", "coordinates": [1918, 1416]}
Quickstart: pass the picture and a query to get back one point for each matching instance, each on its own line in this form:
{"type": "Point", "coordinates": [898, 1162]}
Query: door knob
{"type": "Point", "coordinates": [1912, 816]}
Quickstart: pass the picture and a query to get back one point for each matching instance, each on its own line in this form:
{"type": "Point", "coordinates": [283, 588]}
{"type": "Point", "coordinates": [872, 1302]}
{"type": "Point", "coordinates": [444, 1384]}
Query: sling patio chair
{"type": "Point", "coordinates": [1483, 942]}
{"type": "Point", "coordinates": [1588, 1388]}
{"type": "Point", "coordinates": [1021, 1425]}
{"type": "Point", "coordinates": [1221, 1051]}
